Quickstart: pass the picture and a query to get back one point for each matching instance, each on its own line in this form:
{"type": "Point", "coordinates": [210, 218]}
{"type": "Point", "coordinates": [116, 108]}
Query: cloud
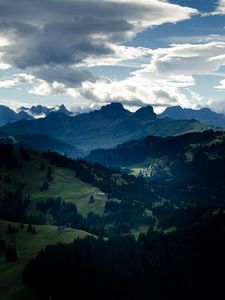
{"type": "Point", "coordinates": [16, 80]}
{"type": "Point", "coordinates": [134, 91]}
{"type": "Point", "coordinates": [121, 55]}
{"type": "Point", "coordinates": [166, 80]}
{"type": "Point", "coordinates": [220, 9]}
{"type": "Point", "coordinates": [188, 59]}
{"type": "Point", "coordinates": [70, 76]}
{"type": "Point", "coordinates": [8, 83]}
{"type": "Point", "coordinates": [56, 43]}
{"type": "Point", "coordinates": [221, 85]}
{"type": "Point", "coordinates": [198, 39]}
{"type": "Point", "coordinates": [83, 28]}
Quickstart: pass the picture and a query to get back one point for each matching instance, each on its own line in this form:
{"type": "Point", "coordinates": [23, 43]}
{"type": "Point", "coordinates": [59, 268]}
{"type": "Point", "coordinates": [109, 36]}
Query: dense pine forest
{"type": "Point", "coordinates": [188, 264]}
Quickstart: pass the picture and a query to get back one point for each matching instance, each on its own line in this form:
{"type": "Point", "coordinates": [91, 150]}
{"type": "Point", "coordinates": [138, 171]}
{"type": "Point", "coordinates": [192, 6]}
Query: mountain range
{"type": "Point", "coordinates": [46, 197]}
{"type": "Point", "coordinates": [8, 115]}
{"type": "Point", "coordinates": [204, 115]}
{"type": "Point", "coordinates": [39, 111]}
{"type": "Point", "coordinates": [104, 128]}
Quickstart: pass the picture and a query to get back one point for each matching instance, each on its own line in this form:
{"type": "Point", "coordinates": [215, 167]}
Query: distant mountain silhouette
{"type": "Point", "coordinates": [104, 128]}
{"type": "Point", "coordinates": [43, 111]}
{"type": "Point", "coordinates": [204, 115]}
{"type": "Point", "coordinates": [145, 113]}
{"type": "Point", "coordinates": [8, 115]}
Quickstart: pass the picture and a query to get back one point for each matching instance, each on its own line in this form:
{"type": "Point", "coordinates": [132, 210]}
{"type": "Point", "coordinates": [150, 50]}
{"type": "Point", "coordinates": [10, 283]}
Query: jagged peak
{"type": "Point", "coordinates": [145, 112]}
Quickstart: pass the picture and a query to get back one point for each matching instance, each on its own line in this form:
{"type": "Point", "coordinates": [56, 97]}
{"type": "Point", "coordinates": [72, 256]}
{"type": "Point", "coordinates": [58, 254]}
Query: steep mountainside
{"type": "Point", "coordinates": [8, 115]}
{"type": "Point", "coordinates": [41, 142]}
{"type": "Point", "coordinates": [193, 155]}
{"type": "Point", "coordinates": [38, 190]}
{"type": "Point", "coordinates": [47, 188]}
{"type": "Point", "coordinates": [105, 128]}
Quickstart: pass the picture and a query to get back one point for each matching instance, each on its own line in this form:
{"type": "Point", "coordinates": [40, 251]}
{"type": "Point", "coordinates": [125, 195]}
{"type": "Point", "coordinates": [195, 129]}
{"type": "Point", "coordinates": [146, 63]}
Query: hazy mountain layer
{"type": "Point", "coordinates": [204, 115]}
{"type": "Point", "coordinates": [41, 142]}
{"type": "Point", "coordinates": [104, 128]}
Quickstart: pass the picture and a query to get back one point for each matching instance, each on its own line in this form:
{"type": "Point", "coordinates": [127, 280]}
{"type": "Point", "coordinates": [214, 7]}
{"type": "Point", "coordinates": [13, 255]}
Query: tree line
{"type": "Point", "coordinates": [188, 264]}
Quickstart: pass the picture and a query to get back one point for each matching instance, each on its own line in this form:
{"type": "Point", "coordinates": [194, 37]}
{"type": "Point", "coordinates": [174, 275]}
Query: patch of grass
{"type": "Point", "coordinates": [142, 229]}
{"type": "Point", "coordinates": [170, 230]}
{"type": "Point", "coordinates": [27, 246]}
{"type": "Point", "coordinates": [64, 185]}
{"type": "Point", "coordinates": [71, 189]}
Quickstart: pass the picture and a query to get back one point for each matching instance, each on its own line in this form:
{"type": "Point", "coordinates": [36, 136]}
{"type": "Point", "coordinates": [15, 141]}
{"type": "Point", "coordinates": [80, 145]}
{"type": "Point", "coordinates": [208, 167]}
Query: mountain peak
{"type": "Point", "coordinates": [8, 115]}
{"type": "Point", "coordinates": [62, 109]}
{"type": "Point", "coordinates": [115, 109]}
{"type": "Point", "coordinates": [145, 112]}
{"type": "Point", "coordinates": [113, 106]}
{"type": "Point", "coordinates": [174, 108]}
{"type": "Point", "coordinates": [204, 115]}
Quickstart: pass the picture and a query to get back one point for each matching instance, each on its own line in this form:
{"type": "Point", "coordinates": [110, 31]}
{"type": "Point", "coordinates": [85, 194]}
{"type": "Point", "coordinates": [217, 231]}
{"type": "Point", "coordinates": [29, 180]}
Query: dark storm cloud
{"type": "Point", "coordinates": [44, 11]}
{"type": "Point", "coordinates": [18, 28]}
{"type": "Point", "coordinates": [44, 50]}
{"type": "Point", "coordinates": [52, 39]}
{"type": "Point", "coordinates": [47, 31]}
{"type": "Point", "coordinates": [59, 42]}
{"type": "Point", "coordinates": [65, 75]}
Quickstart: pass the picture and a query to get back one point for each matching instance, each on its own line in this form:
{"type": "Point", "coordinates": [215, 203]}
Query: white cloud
{"type": "Point", "coordinates": [134, 91]}
{"type": "Point", "coordinates": [57, 56]}
{"type": "Point", "coordinates": [8, 83]}
{"type": "Point", "coordinates": [121, 54]}
{"type": "Point", "coordinates": [221, 86]}
{"type": "Point", "coordinates": [56, 42]}
{"type": "Point", "coordinates": [220, 9]}
{"type": "Point", "coordinates": [3, 43]}
{"type": "Point", "coordinates": [191, 39]}
{"type": "Point", "coordinates": [188, 59]}
{"type": "Point", "coordinates": [161, 83]}
{"type": "Point", "coordinates": [4, 66]}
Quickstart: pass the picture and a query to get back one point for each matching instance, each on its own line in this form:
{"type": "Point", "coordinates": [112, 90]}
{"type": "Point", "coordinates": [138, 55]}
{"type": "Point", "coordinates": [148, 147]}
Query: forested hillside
{"type": "Point", "coordinates": [45, 196]}
{"type": "Point", "coordinates": [185, 265]}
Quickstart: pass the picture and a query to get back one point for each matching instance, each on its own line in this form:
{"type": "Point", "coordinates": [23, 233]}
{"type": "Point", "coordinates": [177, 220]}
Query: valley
{"type": "Point", "coordinates": [153, 187]}
{"type": "Point", "coordinates": [112, 150]}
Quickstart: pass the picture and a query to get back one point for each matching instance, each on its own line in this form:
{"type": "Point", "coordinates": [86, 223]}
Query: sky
{"type": "Point", "coordinates": [89, 53]}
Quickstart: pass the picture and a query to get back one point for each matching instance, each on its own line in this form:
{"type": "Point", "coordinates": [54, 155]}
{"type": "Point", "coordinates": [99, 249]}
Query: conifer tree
{"type": "Point", "coordinates": [10, 254]}
{"type": "Point", "coordinates": [29, 229]}
{"type": "Point", "coordinates": [34, 230]}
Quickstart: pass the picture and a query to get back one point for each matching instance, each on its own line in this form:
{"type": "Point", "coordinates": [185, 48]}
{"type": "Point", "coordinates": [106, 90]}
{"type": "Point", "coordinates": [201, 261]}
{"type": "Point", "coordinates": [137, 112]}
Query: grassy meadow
{"type": "Point", "coordinates": [27, 246]}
